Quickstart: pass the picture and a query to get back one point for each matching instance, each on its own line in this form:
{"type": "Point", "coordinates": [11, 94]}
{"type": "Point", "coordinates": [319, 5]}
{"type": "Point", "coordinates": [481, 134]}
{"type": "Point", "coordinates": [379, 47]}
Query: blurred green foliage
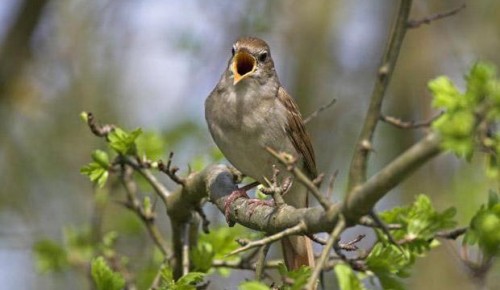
{"type": "Point", "coordinates": [298, 276]}
{"type": "Point", "coordinates": [347, 278]}
{"type": "Point", "coordinates": [485, 227]}
{"type": "Point", "coordinates": [419, 223]}
{"type": "Point", "coordinates": [217, 245]}
{"type": "Point", "coordinates": [105, 278]}
{"type": "Point", "coordinates": [186, 282]}
{"type": "Point", "coordinates": [464, 111]}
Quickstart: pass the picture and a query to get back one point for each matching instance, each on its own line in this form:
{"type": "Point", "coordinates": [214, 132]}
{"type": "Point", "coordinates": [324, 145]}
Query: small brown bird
{"type": "Point", "coordinates": [248, 111]}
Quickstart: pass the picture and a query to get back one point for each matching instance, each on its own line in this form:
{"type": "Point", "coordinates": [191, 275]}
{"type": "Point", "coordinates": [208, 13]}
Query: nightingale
{"type": "Point", "coordinates": [248, 111]}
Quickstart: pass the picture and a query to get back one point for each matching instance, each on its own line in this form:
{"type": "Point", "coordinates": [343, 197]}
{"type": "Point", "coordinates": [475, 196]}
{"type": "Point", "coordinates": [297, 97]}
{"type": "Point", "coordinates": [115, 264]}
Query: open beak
{"type": "Point", "coordinates": [243, 65]}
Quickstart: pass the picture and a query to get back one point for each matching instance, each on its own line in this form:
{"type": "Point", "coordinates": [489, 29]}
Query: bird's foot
{"type": "Point", "coordinates": [240, 192]}
{"type": "Point", "coordinates": [254, 203]}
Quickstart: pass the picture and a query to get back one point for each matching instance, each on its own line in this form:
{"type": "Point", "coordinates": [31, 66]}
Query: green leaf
{"type": "Point", "coordinates": [485, 227]}
{"type": "Point", "coordinates": [389, 265]}
{"type": "Point", "coordinates": [458, 127]}
{"type": "Point", "coordinates": [191, 279]}
{"type": "Point", "coordinates": [348, 280]}
{"type": "Point", "coordinates": [123, 142]}
{"type": "Point", "coordinates": [104, 278]}
{"type": "Point", "coordinates": [446, 95]}
{"type": "Point", "coordinates": [419, 224]}
{"type": "Point", "coordinates": [97, 172]}
{"type": "Point", "coordinates": [50, 256]}
{"type": "Point", "coordinates": [253, 285]}
{"type": "Point", "coordinates": [100, 157]}
{"type": "Point", "coordinates": [186, 282]}
{"type": "Point", "coordinates": [420, 221]}
{"type": "Point", "coordinates": [480, 82]}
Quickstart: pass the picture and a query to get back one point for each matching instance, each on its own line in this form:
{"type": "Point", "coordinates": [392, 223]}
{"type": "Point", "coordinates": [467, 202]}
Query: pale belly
{"type": "Point", "coordinates": [244, 147]}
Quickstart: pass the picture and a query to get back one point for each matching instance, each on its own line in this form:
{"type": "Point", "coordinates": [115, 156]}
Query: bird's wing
{"type": "Point", "coordinates": [297, 132]}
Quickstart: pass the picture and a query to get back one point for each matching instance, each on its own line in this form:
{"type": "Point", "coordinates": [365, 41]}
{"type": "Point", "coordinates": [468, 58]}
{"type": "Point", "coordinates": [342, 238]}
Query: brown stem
{"type": "Point", "coordinates": [357, 172]}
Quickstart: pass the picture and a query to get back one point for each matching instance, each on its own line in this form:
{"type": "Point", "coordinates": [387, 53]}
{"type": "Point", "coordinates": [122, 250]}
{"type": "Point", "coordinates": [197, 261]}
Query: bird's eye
{"type": "Point", "coordinates": [233, 50]}
{"type": "Point", "coordinates": [263, 56]}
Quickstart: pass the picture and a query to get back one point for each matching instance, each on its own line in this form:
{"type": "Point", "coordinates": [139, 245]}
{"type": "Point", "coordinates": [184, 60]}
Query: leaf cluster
{"type": "Point", "coordinates": [465, 111]}
{"type": "Point", "coordinates": [419, 224]}
{"type": "Point", "coordinates": [484, 227]}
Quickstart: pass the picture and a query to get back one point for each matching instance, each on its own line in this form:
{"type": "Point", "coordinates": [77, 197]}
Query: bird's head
{"type": "Point", "coordinates": [251, 58]}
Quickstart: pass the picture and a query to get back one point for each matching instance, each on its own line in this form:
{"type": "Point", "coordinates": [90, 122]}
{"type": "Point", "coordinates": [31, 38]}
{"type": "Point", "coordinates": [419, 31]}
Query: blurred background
{"type": "Point", "coordinates": [151, 64]}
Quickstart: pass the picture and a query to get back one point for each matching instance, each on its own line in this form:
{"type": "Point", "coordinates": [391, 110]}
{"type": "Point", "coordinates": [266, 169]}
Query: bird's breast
{"type": "Point", "coordinates": [242, 125]}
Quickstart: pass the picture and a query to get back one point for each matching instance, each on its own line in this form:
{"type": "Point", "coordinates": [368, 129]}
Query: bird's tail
{"type": "Point", "coordinates": [297, 251]}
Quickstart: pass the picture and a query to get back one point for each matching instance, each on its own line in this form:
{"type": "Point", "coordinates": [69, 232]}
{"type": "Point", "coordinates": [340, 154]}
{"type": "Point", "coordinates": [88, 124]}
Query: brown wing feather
{"type": "Point", "coordinates": [297, 132]}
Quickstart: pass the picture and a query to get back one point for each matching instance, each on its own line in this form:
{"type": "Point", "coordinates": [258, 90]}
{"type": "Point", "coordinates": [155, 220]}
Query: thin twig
{"type": "Point", "coordinates": [351, 245]}
{"type": "Point", "coordinates": [383, 227]}
{"type": "Point", "coordinates": [452, 234]}
{"type": "Point", "coordinates": [368, 222]}
{"type": "Point", "coordinates": [409, 124]}
{"type": "Point", "coordinates": [148, 218]}
{"type": "Point", "coordinates": [171, 171]}
{"type": "Point", "coordinates": [298, 229]}
{"type": "Point", "coordinates": [245, 266]}
{"type": "Point", "coordinates": [157, 280]}
{"type": "Point", "coordinates": [317, 239]}
{"type": "Point", "coordinates": [98, 130]}
{"type": "Point", "coordinates": [290, 161]}
{"type": "Point", "coordinates": [332, 239]}
{"type": "Point", "coordinates": [160, 189]}
{"type": "Point", "coordinates": [261, 261]}
{"type": "Point", "coordinates": [427, 20]}
{"type": "Point", "coordinates": [359, 163]}
{"type": "Point", "coordinates": [319, 110]}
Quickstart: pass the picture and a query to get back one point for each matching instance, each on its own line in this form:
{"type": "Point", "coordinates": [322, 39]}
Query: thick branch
{"type": "Point", "coordinates": [357, 172]}
{"type": "Point", "coordinates": [361, 199]}
{"type": "Point", "coordinates": [218, 181]}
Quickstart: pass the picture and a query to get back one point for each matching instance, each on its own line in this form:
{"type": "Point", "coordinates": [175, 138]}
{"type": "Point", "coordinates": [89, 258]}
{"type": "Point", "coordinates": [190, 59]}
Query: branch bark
{"type": "Point", "coordinates": [357, 172]}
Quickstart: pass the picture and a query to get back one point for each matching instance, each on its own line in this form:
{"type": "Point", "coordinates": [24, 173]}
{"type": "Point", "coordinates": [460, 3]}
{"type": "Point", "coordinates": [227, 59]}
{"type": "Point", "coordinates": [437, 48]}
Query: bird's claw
{"type": "Point", "coordinates": [230, 199]}
{"type": "Point", "coordinates": [253, 203]}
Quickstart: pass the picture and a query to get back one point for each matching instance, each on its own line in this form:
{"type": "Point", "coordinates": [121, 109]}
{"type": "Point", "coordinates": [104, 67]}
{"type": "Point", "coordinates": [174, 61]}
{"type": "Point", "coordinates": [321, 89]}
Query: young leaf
{"type": "Point", "coordinates": [190, 279]}
{"type": "Point", "coordinates": [104, 278]}
{"type": "Point", "coordinates": [186, 282]}
{"type": "Point", "coordinates": [123, 142]}
{"type": "Point", "coordinates": [97, 171]}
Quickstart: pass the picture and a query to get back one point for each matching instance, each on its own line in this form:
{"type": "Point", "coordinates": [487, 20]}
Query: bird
{"type": "Point", "coordinates": [249, 111]}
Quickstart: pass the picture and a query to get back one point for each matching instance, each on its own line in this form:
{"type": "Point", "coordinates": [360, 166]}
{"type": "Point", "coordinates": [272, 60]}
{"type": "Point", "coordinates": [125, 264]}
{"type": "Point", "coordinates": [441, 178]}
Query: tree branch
{"type": "Point", "coordinates": [361, 199]}
{"type": "Point", "coordinates": [427, 20]}
{"type": "Point", "coordinates": [357, 172]}
{"type": "Point", "coordinates": [332, 239]}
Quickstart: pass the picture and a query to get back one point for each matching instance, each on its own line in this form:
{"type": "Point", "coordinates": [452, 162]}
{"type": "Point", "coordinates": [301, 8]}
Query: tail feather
{"type": "Point", "coordinates": [297, 251]}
